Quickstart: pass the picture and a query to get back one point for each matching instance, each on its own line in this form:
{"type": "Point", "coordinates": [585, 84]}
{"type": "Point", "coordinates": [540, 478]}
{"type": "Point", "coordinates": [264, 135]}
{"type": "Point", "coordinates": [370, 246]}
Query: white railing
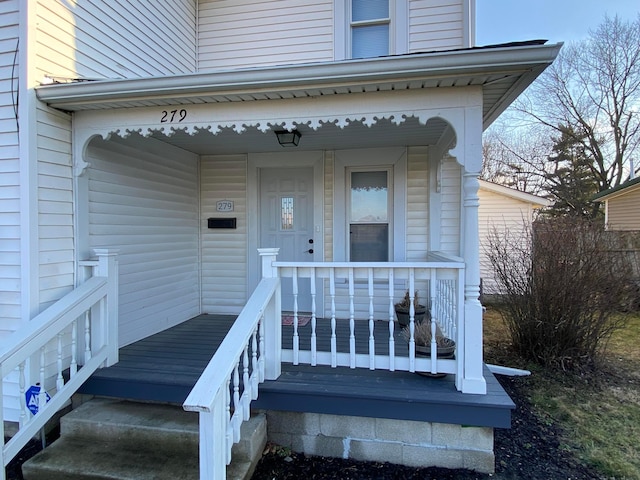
{"type": "Point", "coordinates": [356, 301]}
{"type": "Point", "coordinates": [249, 354]}
{"type": "Point", "coordinates": [78, 335]}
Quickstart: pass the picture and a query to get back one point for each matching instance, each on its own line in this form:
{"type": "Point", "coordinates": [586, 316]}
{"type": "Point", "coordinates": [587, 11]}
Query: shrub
{"type": "Point", "coordinates": [563, 286]}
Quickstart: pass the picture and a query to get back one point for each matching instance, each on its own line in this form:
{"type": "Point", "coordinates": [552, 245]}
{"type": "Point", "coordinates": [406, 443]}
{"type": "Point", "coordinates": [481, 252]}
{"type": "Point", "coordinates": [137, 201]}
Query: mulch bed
{"type": "Point", "coordinates": [529, 449]}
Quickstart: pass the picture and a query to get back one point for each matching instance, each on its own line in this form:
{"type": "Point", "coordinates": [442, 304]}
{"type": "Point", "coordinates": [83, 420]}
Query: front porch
{"type": "Point", "coordinates": [166, 366]}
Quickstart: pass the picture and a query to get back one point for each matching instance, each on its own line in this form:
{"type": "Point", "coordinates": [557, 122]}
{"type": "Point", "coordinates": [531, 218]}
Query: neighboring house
{"type": "Point", "coordinates": [149, 128]}
{"type": "Point", "coordinates": [502, 210]}
{"type": "Point", "coordinates": [622, 206]}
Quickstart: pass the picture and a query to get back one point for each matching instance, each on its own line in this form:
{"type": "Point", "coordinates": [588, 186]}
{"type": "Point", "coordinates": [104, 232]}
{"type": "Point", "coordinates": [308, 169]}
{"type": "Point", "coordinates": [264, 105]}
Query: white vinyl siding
{"type": "Point", "coordinates": [55, 206]}
{"type": "Point", "coordinates": [224, 251]}
{"type": "Point", "coordinates": [253, 33]}
{"type": "Point", "coordinates": [115, 38]}
{"type": "Point", "coordinates": [498, 213]}
{"type": "Point", "coordinates": [450, 207]}
{"type": "Point", "coordinates": [436, 25]}
{"type": "Point", "coordinates": [417, 204]}
{"type": "Point", "coordinates": [9, 173]}
{"type": "Point", "coordinates": [623, 211]}
{"type": "Point", "coordinates": [145, 203]}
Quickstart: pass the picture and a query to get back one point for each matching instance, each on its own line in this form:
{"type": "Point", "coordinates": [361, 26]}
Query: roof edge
{"type": "Point", "coordinates": [513, 193]}
{"type": "Point", "coordinates": [433, 64]}
{"type": "Point", "coordinates": [615, 191]}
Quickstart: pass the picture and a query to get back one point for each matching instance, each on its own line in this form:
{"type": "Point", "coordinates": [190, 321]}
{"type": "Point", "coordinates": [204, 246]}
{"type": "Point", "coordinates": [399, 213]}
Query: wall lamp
{"type": "Point", "coordinates": [288, 138]}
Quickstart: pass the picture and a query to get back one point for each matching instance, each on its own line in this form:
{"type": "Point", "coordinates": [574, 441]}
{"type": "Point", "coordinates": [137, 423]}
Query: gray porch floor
{"type": "Point", "coordinates": [165, 366]}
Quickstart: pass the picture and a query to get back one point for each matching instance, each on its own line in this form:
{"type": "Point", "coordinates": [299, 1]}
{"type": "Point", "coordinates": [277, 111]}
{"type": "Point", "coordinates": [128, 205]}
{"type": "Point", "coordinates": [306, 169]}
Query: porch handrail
{"type": "Point", "coordinates": [344, 293]}
{"type": "Point", "coordinates": [249, 354]}
{"type": "Point", "coordinates": [86, 317]}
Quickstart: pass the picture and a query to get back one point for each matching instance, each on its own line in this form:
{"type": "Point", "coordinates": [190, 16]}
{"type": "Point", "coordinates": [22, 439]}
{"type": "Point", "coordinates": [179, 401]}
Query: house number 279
{"type": "Point", "coordinates": [173, 116]}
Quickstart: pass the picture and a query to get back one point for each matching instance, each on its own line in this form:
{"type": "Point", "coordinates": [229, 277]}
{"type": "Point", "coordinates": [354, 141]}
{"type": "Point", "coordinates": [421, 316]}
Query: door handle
{"type": "Point", "coordinates": [309, 251]}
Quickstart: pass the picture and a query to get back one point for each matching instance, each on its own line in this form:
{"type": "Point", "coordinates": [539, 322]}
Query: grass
{"type": "Point", "coordinates": [599, 411]}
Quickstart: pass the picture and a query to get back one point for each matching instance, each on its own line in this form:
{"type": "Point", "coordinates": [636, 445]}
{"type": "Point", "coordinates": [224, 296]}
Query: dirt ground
{"type": "Point", "coordinates": [529, 450]}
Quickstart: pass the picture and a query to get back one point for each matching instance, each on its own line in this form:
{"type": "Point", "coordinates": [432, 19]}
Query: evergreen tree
{"type": "Point", "coordinates": [570, 176]}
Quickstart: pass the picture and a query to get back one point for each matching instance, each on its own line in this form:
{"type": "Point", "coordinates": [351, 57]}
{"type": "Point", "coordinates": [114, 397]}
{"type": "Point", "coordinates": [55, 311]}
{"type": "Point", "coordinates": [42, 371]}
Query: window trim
{"type": "Point", "coordinates": [398, 28]}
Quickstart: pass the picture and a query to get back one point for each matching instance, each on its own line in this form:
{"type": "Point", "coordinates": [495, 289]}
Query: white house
{"type": "Point", "coordinates": [141, 137]}
{"type": "Point", "coordinates": [502, 210]}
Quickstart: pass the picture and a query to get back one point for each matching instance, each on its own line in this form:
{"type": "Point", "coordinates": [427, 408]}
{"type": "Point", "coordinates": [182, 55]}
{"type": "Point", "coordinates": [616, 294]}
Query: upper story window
{"type": "Point", "coordinates": [370, 28]}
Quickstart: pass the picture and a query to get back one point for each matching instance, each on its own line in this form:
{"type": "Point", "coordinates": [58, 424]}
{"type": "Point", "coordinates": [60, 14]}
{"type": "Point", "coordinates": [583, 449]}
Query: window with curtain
{"type": "Point", "coordinates": [370, 28]}
{"type": "Point", "coordinates": [369, 216]}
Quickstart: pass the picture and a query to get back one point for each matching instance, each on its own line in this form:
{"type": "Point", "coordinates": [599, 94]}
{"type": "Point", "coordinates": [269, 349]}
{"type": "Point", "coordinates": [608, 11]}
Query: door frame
{"type": "Point", "coordinates": [258, 161]}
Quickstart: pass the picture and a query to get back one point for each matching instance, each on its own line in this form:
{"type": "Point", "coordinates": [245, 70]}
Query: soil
{"type": "Point", "coordinates": [530, 449]}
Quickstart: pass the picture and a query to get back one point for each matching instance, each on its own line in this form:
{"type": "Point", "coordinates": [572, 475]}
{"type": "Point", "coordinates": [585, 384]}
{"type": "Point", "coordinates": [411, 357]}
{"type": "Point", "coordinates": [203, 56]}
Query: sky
{"type": "Point", "coordinates": [502, 21]}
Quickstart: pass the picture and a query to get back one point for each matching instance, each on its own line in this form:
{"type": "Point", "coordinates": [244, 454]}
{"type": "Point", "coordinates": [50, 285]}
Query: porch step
{"type": "Point", "coordinates": [121, 440]}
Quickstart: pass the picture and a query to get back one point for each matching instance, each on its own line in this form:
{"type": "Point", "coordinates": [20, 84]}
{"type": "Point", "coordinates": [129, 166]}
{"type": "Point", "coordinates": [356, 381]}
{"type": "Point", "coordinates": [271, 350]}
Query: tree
{"type": "Point", "coordinates": [593, 87]}
{"type": "Point", "coordinates": [516, 158]}
{"type": "Point", "coordinates": [570, 179]}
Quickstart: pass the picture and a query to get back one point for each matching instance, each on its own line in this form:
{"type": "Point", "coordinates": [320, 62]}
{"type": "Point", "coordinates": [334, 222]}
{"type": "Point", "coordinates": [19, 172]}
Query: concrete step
{"type": "Point", "coordinates": [120, 440]}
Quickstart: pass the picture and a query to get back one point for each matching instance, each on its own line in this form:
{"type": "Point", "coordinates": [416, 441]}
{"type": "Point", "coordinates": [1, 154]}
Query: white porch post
{"type": "Point", "coordinates": [108, 267]}
{"type": "Point", "coordinates": [473, 381]}
{"type": "Point", "coordinates": [272, 318]}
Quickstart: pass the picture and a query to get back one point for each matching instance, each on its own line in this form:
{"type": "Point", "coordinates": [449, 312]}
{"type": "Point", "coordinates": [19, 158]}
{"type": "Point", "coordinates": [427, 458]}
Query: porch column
{"type": "Point", "coordinates": [272, 318]}
{"type": "Point", "coordinates": [472, 379]}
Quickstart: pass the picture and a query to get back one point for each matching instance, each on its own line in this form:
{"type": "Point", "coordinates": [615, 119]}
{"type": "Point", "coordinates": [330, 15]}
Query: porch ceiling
{"type": "Point", "coordinates": [503, 72]}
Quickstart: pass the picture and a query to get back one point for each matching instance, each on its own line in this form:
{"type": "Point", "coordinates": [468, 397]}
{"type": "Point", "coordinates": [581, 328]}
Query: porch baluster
{"type": "Point", "coordinates": [59, 379]}
{"type": "Point", "coordinates": [23, 401]}
{"type": "Point", "coordinates": [372, 340]}
{"type": "Point", "coordinates": [392, 347]}
{"type": "Point", "coordinates": [42, 396]}
{"type": "Point", "coordinates": [434, 345]}
{"type": "Point", "coordinates": [332, 294]}
{"type": "Point", "coordinates": [254, 365]}
{"type": "Point", "coordinates": [314, 347]}
{"type": "Point", "coordinates": [228, 418]}
{"type": "Point", "coordinates": [261, 363]}
{"type": "Point", "coordinates": [236, 404]}
{"type": "Point", "coordinates": [73, 367]}
{"type": "Point", "coordinates": [296, 338]}
{"type": "Point", "coordinates": [436, 308]}
{"type": "Point", "coordinates": [246, 386]}
{"type": "Point", "coordinates": [87, 337]}
{"type": "Point", "coordinates": [352, 325]}
{"type": "Point", "coordinates": [412, 320]}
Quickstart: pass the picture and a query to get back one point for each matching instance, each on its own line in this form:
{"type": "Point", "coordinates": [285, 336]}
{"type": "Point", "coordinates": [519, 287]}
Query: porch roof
{"type": "Point", "coordinates": [503, 72]}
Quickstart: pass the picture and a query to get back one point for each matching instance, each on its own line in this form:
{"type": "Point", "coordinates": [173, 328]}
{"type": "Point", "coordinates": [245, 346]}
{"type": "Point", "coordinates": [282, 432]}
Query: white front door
{"type": "Point", "coordinates": [286, 222]}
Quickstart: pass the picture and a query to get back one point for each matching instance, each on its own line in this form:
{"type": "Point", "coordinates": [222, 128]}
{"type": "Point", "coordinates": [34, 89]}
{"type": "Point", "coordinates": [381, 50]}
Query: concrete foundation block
{"type": "Point", "coordinates": [319, 445]}
{"type": "Point", "coordinates": [293, 423]}
{"type": "Point", "coordinates": [479, 460]}
{"type": "Point", "coordinates": [344, 426]}
{"type": "Point", "coordinates": [374, 451]}
{"type": "Point", "coordinates": [405, 431]}
{"type": "Point", "coordinates": [429, 456]}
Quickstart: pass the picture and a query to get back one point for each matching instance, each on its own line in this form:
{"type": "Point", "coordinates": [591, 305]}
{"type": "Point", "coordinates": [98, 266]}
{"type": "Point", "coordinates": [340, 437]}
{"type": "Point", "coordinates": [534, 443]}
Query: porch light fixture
{"type": "Point", "coordinates": [288, 138]}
